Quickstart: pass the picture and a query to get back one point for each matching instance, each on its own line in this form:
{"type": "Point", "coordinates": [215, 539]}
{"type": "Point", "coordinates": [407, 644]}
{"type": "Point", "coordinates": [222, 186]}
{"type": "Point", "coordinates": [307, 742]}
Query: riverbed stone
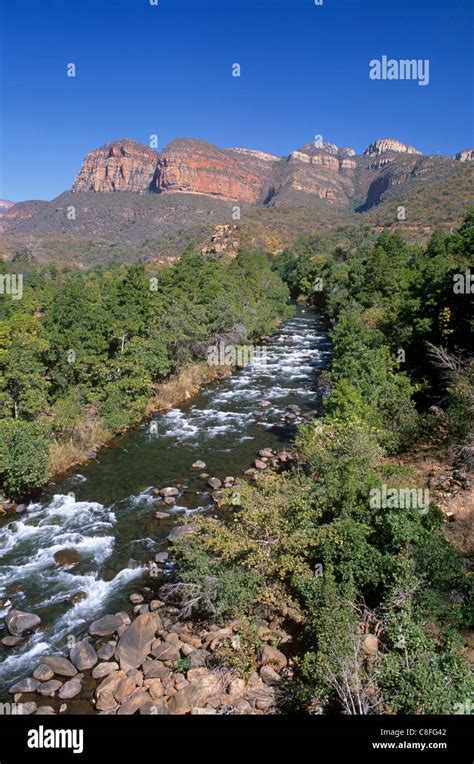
{"type": "Point", "coordinates": [104, 669]}
{"type": "Point", "coordinates": [67, 558]}
{"type": "Point", "coordinates": [199, 465]}
{"type": "Point", "coordinates": [12, 641]}
{"type": "Point", "coordinates": [106, 651]}
{"type": "Point", "coordinates": [136, 599]}
{"type": "Point", "coordinates": [134, 702]}
{"type": "Point", "coordinates": [28, 708]}
{"type": "Point", "coordinates": [105, 626]}
{"type": "Point", "coordinates": [49, 688]}
{"type": "Point", "coordinates": [43, 672]}
{"type": "Point", "coordinates": [260, 464]}
{"type": "Point", "coordinates": [161, 557]}
{"type": "Point", "coordinates": [18, 621]}
{"type": "Point", "coordinates": [169, 491]}
{"type": "Point", "coordinates": [24, 685]}
{"type": "Point", "coordinates": [214, 483]}
{"type": "Point", "coordinates": [61, 666]}
{"type": "Point", "coordinates": [70, 689]}
{"type": "Point", "coordinates": [135, 643]}
{"type": "Point", "coordinates": [124, 689]}
{"type": "Point", "coordinates": [162, 515]}
{"type": "Point", "coordinates": [83, 655]}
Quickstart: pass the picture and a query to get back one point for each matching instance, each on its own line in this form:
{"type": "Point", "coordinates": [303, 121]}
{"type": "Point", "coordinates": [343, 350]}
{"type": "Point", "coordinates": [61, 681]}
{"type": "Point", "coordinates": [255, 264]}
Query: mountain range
{"type": "Point", "coordinates": [130, 201]}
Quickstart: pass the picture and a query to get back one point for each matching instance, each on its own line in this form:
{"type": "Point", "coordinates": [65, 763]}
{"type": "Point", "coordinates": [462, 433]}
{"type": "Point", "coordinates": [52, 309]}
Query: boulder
{"type": "Point", "coordinates": [24, 685]}
{"type": "Point", "coordinates": [134, 702]}
{"type": "Point", "coordinates": [12, 641]}
{"type": "Point", "coordinates": [104, 669]}
{"type": "Point", "coordinates": [67, 558]}
{"type": "Point", "coordinates": [124, 689]}
{"type": "Point", "coordinates": [18, 621]}
{"type": "Point", "coordinates": [70, 689]}
{"type": "Point", "coordinates": [260, 465]}
{"type": "Point", "coordinates": [199, 465]}
{"type": "Point", "coordinates": [269, 675]}
{"type": "Point", "coordinates": [61, 666]}
{"type": "Point", "coordinates": [106, 651]}
{"type": "Point", "coordinates": [161, 557]}
{"type": "Point", "coordinates": [162, 515]}
{"type": "Point", "coordinates": [105, 626]}
{"type": "Point", "coordinates": [266, 453]}
{"type": "Point", "coordinates": [270, 656]}
{"type": "Point", "coordinates": [136, 599]}
{"type": "Point", "coordinates": [169, 491]}
{"type": "Point", "coordinates": [27, 708]}
{"type": "Point", "coordinates": [135, 643]}
{"type": "Point", "coordinates": [195, 694]}
{"type": "Point", "coordinates": [166, 651]}
{"type": "Point", "coordinates": [49, 688]}
{"type": "Point", "coordinates": [214, 483]}
{"type": "Point", "coordinates": [83, 655]}
{"type": "Point", "coordinates": [43, 672]}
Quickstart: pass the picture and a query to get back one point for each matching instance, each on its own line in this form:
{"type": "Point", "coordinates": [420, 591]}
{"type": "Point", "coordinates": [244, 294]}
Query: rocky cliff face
{"type": "Point", "coordinates": [121, 165]}
{"type": "Point", "coordinates": [196, 167]}
{"type": "Point", "coordinates": [318, 171]}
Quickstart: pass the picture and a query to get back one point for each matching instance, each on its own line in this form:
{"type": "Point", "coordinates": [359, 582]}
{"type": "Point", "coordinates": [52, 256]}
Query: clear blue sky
{"type": "Point", "coordinates": [167, 70]}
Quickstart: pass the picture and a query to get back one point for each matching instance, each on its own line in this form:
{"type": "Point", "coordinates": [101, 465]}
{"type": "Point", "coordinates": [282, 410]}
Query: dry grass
{"type": "Point", "coordinates": [92, 435]}
{"type": "Point", "coordinates": [182, 386]}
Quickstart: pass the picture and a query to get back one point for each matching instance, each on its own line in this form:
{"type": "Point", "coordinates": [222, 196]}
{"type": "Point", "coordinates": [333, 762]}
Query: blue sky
{"type": "Point", "coordinates": [167, 69]}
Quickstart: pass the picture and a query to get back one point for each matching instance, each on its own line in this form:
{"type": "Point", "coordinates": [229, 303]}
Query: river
{"type": "Point", "coordinates": [106, 512]}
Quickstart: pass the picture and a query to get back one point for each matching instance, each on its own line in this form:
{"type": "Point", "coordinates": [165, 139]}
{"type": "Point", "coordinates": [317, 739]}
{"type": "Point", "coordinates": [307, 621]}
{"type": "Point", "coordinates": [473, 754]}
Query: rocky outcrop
{"type": "Point", "coordinates": [382, 145]}
{"type": "Point", "coordinates": [465, 156]}
{"type": "Point", "coordinates": [121, 165]}
{"type": "Point", "coordinates": [224, 242]}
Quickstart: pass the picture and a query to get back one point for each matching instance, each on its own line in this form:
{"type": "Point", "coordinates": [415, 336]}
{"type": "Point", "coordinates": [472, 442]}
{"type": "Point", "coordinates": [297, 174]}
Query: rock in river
{"type": "Point", "coordinates": [67, 558]}
{"type": "Point", "coordinates": [17, 622]}
{"type": "Point", "coordinates": [105, 626]}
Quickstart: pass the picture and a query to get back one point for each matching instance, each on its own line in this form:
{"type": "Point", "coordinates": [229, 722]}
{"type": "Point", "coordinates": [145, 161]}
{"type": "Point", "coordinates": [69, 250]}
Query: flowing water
{"type": "Point", "coordinates": [106, 514]}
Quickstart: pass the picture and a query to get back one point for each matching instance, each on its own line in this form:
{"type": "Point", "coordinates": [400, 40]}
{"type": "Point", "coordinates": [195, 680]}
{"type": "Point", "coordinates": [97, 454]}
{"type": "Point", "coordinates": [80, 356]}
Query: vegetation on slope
{"type": "Point", "coordinates": [374, 594]}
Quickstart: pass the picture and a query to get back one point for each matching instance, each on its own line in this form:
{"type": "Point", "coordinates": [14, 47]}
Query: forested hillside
{"type": "Point", "coordinates": [81, 353]}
